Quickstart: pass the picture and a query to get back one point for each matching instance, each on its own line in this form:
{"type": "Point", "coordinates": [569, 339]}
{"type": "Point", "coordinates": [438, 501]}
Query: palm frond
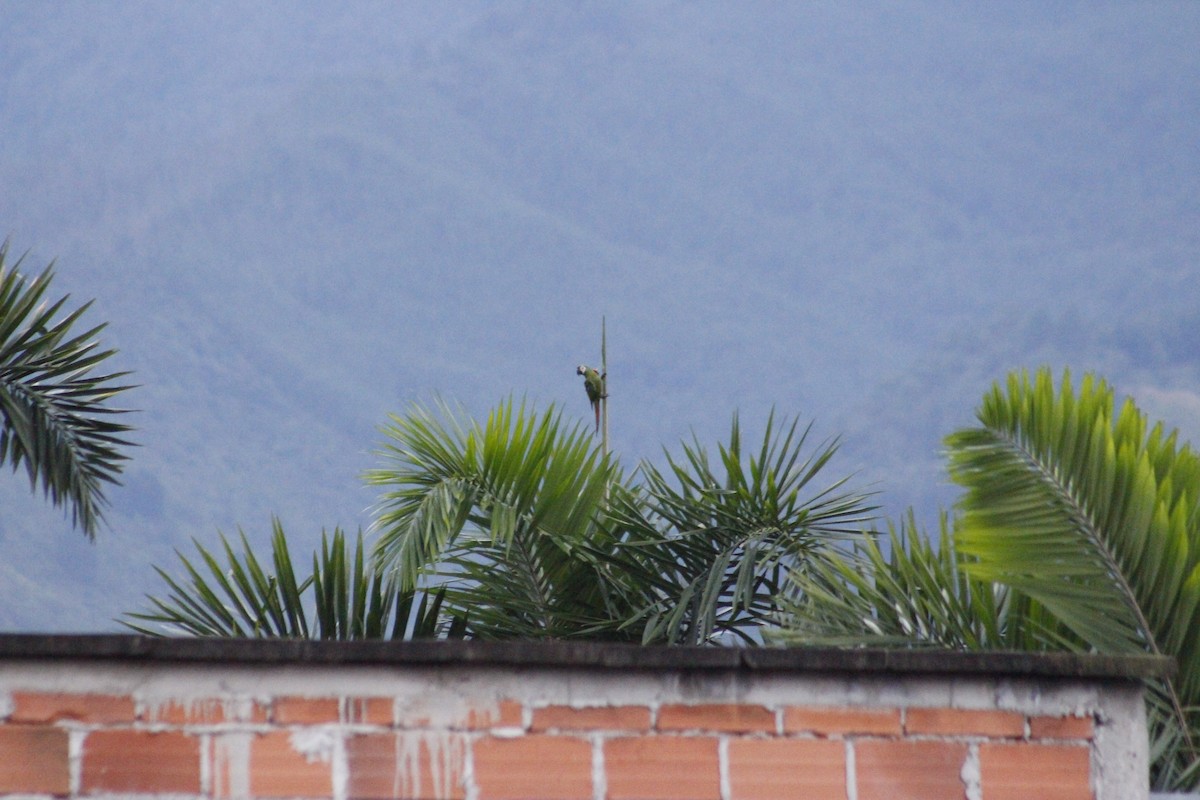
{"type": "Point", "coordinates": [711, 547]}
{"type": "Point", "coordinates": [238, 597]}
{"type": "Point", "coordinates": [535, 587]}
{"type": "Point", "coordinates": [56, 421]}
{"type": "Point", "coordinates": [498, 516]}
{"type": "Point", "coordinates": [1092, 515]}
{"type": "Point", "coordinates": [911, 593]}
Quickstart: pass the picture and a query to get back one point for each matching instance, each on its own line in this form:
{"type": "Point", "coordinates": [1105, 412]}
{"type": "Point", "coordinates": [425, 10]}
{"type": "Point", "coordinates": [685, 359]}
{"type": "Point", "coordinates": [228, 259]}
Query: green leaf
{"type": "Point", "coordinates": [497, 516]}
{"type": "Point", "coordinates": [342, 598]}
{"type": "Point", "coordinates": [54, 412]}
{"type": "Point", "coordinates": [911, 593]}
{"type": "Point", "coordinates": [708, 546]}
{"type": "Point", "coordinates": [1091, 515]}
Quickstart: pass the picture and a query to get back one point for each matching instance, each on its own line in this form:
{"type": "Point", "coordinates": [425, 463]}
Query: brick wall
{"type": "Point", "coordinates": [560, 728]}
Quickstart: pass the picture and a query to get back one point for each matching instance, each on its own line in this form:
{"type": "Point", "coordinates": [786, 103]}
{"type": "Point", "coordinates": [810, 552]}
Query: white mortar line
{"type": "Point", "coordinates": [851, 771]}
{"type": "Point", "coordinates": [75, 760]}
{"type": "Point", "coordinates": [723, 767]}
{"type": "Point", "coordinates": [339, 769]}
{"type": "Point", "coordinates": [599, 773]}
{"type": "Point", "coordinates": [970, 774]}
{"type": "Point", "coordinates": [470, 790]}
{"type": "Point", "coordinates": [206, 765]}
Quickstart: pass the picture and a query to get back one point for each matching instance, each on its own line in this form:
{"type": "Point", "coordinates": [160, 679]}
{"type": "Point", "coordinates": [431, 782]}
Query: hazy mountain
{"type": "Point", "coordinates": [298, 218]}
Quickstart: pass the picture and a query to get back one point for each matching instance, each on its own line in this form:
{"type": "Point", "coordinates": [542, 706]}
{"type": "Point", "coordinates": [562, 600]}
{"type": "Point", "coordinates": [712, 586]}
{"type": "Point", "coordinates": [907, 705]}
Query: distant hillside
{"type": "Point", "coordinates": [298, 218]}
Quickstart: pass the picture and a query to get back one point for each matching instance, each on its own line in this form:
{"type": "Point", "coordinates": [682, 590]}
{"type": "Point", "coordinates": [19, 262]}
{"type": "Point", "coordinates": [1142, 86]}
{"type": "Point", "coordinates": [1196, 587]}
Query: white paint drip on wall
{"type": "Point", "coordinates": [231, 765]}
{"type": "Point", "coordinates": [599, 771]}
{"type": "Point", "coordinates": [339, 769]}
{"type": "Point", "coordinates": [468, 778]}
{"type": "Point", "coordinates": [443, 751]}
{"type": "Point", "coordinates": [155, 707]}
{"type": "Point", "coordinates": [723, 768]}
{"type": "Point", "coordinates": [437, 708]}
{"type": "Point", "coordinates": [315, 744]}
{"type": "Point", "coordinates": [444, 697]}
{"type": "Point", "coordinates": [851, 772]}
{"type": "Point", "coordinates": [75, 760]}
{"type": "Point", "coordinates": [971, 775]}
{"type": "Point", "coordinates": [206, 765]}
{"type": "Point", "coordinates": [356, 710]}
{"type": "Point", "coordinates": [324, 743]}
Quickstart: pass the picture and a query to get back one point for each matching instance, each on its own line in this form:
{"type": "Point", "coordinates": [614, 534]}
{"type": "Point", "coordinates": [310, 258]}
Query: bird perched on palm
{"type": "Point", "coordinates": [593, 383]}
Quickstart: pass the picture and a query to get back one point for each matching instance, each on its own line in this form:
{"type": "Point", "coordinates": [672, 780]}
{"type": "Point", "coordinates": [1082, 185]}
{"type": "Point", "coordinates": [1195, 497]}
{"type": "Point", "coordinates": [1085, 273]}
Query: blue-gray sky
{"type": "Point", "coordinates": [298, 217]}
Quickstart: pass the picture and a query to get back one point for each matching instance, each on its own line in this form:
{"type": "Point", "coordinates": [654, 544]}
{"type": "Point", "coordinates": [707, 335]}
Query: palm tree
{"type": "Point", "coordinates": [532, 532]}
{"type": "Point", "coordinates": [1079, 529]}
{"type": "Point", "coordinates": [482, 533]}
{"type": "Point", "coordinates": [55, 420]}
{"type": "Point", "coordinates": [500, 516]}
{"type": "Point", "coordinates": [908, 592]}
{"type": "Point", "coordinates": [342, 598]}
{"type": "Point", "coordinates": [521, 527]}
{"type": "Point", "coordinates": [1093, 515]}
{"type": "Point", "coordinates": [710, 547]}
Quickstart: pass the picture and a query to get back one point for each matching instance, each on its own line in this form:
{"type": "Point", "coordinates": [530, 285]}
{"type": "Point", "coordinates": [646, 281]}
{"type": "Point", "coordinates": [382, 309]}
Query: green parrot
{"type": "Point", "coordinates": [593, 382]}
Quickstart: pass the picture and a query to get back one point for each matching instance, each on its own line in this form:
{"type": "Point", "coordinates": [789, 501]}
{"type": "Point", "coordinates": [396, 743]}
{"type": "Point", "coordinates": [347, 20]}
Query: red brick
{"type": "Point", "coordinates": [1045, 771]}
{"type": "Point", "coordinates": [897, 770]}
{"type": "Point", "coordinates": [370, 710]}
{"type": "Point", "coordinates": [592, 718]}
{"type": "Point", "coordinates": [505, 714]}
{"type": "Point", "coordinates": [543, 767]}
{"type": "Point", "coordinates": [306, 710]}
{"type": "Point", "coordinates": [34, 759]}
{"type": "Point", "coordinates": [198, 712]}
{"type": "Point", "coordinates": [841, 721]}
{"type": "Point", "coordinates": [255, 712]}
{"type": "Point", "coordinates": [204, 711]}
{"type": "Point", "coordinates": [779, 769]}
{"type": "Point", "coordinates": [662, 768]}
{"type": "Point", "coordinates": [408, 765]}
{"type": "Point", "coordinates": [960, 722]}
{"type": "Point", "coordinates": [1061, 727]}
{"type": "Point", "coordinates": [279, 768]}
{"type": "Point", "coordinates": [727, 717]}
{"type": "Point", "coordinates": [53, 707]}
{"type": "Point", "coordinates": [140, 761]}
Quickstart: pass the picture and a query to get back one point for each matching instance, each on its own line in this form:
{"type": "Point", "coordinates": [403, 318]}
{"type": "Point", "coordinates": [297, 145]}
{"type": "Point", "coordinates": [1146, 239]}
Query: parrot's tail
{"type": "Point", "coordinates": [596, 408]}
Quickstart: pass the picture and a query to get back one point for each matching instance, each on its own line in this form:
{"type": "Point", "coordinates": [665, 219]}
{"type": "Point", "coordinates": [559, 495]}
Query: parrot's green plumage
{"type": "Point", "coordinates": [593, 382]}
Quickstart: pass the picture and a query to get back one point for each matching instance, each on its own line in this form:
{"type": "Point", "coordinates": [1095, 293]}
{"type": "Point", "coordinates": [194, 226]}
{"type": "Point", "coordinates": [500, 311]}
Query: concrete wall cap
{"type": "Point", "coordinates": [580, 654]}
